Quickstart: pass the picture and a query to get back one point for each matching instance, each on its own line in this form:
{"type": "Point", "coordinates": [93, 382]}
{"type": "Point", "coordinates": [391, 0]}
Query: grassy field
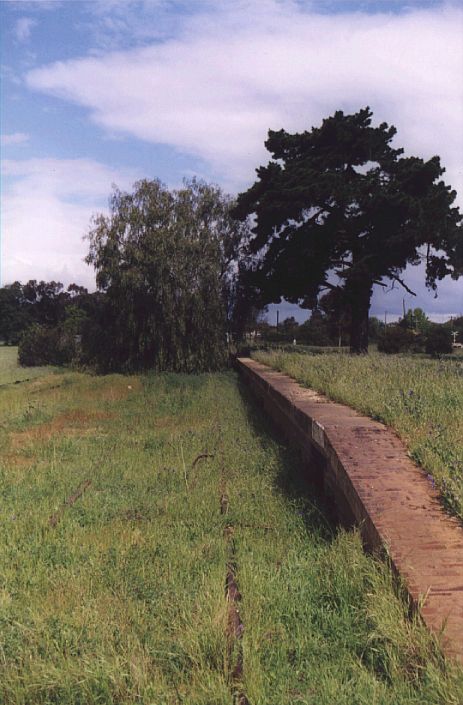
{"type": "Point", "coordinates": [422, 399]}
{"type": "Point", "coordinates": [11, 373]}
{"type": "Point", "coordinates": [118, 597]}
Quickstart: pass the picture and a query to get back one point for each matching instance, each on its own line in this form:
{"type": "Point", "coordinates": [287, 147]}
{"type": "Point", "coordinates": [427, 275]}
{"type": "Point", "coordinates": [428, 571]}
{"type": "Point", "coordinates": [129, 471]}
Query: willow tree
{"type": "Point", "coordinates": [339, 208]}
{"type": "Point", "coordinates": [165, 261]}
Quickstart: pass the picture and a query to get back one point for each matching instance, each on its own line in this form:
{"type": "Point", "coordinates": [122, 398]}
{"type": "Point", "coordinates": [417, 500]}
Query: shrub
{"type": "Point", "coordinates": [396, 339]}
{"type": "Point", "coordinates": [41, 345]}
{"type": "Point", "coordinates": [438, 341]}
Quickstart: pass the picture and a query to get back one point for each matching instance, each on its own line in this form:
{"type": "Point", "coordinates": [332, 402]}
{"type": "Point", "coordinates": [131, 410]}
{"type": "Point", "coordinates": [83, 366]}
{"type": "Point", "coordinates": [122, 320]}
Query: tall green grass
{"type": "Point", "coordinates": [419, 398]}
{"type": "Point", "coordinates": [124, 601]}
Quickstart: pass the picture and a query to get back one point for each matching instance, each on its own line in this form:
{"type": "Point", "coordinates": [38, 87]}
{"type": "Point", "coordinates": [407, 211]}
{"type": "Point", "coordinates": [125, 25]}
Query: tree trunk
{"type": "Point", "coordinates": [360, 296]}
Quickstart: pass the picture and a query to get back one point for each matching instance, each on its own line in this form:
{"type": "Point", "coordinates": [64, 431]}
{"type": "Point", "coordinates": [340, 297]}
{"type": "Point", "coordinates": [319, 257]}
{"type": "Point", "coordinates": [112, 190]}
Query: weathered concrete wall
{"type": "Point", "coordinates": [365, 468]}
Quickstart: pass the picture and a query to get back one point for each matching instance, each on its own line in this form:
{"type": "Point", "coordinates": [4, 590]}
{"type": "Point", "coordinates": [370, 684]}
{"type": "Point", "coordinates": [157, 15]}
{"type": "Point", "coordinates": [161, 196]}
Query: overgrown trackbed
{"type": "Point", "coordinates": [133, 510]}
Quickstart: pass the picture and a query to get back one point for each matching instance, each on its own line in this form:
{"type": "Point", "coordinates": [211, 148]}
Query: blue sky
{"type": "Point", "coordinates": [109, 91]}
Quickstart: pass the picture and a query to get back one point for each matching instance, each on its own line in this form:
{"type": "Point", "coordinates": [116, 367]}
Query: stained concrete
{"type": "Point", "coordinates": [366, 469]}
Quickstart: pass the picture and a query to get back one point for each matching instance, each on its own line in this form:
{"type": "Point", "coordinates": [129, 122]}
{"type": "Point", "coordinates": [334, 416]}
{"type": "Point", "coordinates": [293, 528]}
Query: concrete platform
{"type": "Point", "coordinates": [365, 468]}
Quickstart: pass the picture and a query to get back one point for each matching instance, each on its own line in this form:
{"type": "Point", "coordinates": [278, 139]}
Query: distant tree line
{"type": "Point", "coordinates": [46, 319]}
{"type": "Point", "coordinates": [40, 303]}
{"type": "Point", "coordinates": [414, 333]}
{"type": "Point", "coordinates": [417, 334]}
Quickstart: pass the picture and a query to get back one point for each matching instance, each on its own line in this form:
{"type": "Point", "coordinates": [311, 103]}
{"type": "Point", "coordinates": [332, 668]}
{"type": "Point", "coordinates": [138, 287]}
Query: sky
{"type": "Point", "coordinates": [105, 92]}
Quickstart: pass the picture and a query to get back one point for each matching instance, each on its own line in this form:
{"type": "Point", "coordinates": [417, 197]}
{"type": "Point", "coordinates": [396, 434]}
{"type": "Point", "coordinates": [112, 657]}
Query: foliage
{"type": "Point", "coordinates": [289, 328]}
{"type": "Point", "coordinates": [14, 318]}
{"type": "Point", "coordinates": [396, 339]}
{"type": "Point", "coordinates": [375, 328]}
{"type": "Point", "coordinates": [43, 303]}
{"type": "Point", "coordinates": [46, 301]}
{"type": "Point", "coordinates": [340, 200]}
{"type": "Point", "coordinates": [123, 601]}
{"type": "Point", "coordinates": [166, 261]}
{"type": "Point", "coordinates": [338, 316]}
{"type": "Point", "coordinates": [249, 305]}
{"type": "Point", "coordinates": [42, 345]}
{"type": "Point", "coordinates": [248, 310]}
{"type": "Point", "coordinates": [416, 320]}
{"type": "Point", "coordinates": [421, 399]}
{"type": "Point", "coordinates": [317, 330]}
{"type": "Point", "coordinates": [75, 320]}
{"type": "Point", "coordinates": [438, 340]}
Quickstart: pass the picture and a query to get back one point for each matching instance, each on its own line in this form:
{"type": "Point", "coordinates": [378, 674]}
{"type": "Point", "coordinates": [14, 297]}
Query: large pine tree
{"type": "Point", "coordinates": [340, 200]}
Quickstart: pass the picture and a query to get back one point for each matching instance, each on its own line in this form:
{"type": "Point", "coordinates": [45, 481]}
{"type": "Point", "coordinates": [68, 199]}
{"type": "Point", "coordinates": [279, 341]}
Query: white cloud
{"type": "Point", "coordinates": [230, 74]}
{"type": "Point", "coordinates": [23, 28]}
{"type": "Point", "coordinates": [14, 138]}
{"type": "Point", "coordinates": [47, 208]}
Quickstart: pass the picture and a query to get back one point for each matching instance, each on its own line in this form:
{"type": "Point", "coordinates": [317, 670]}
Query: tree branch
{"type": "Point", "coordinates": [402, 283]}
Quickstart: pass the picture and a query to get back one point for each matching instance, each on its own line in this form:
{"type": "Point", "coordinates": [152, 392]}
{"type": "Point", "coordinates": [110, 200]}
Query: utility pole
{"type": "Point", "coordinates": [278, 317]}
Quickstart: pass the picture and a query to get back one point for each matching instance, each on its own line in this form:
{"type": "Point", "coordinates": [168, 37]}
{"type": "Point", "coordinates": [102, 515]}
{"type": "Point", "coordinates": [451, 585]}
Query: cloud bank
{"type": "Point", "coordinates": [46, 212]}
{"type": "Point", "coordinates": [228, 76]}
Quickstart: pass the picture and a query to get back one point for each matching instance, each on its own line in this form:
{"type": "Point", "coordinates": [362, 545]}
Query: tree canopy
{"type": "Point", "coordinates": [166, 261]}
{"type": "Point", "coordinates": [42, 303]}
{"type": "Point", "coordinates": [339, 208]}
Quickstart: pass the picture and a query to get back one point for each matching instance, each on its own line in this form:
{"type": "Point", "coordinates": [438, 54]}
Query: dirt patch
{"type": "Point", "coordinates": [45, 384]}
{"type": "Point", "coordinates": [166, 422]}
{"type": "Point", "coordinates": [69, 423]}
{"type": "Point", "coordinates": [80, 417]}
{"type": "Point", "coordinates": [17, 461]}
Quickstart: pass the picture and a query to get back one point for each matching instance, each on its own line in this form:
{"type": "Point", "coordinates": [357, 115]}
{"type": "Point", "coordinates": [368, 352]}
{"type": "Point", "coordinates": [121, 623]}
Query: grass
{"type": "Point", "coordinates": [421, 399]}
{"type": "Point", "coordinates": [11, 373]}
{"type": "Point", "coordinates": [123, 601]}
